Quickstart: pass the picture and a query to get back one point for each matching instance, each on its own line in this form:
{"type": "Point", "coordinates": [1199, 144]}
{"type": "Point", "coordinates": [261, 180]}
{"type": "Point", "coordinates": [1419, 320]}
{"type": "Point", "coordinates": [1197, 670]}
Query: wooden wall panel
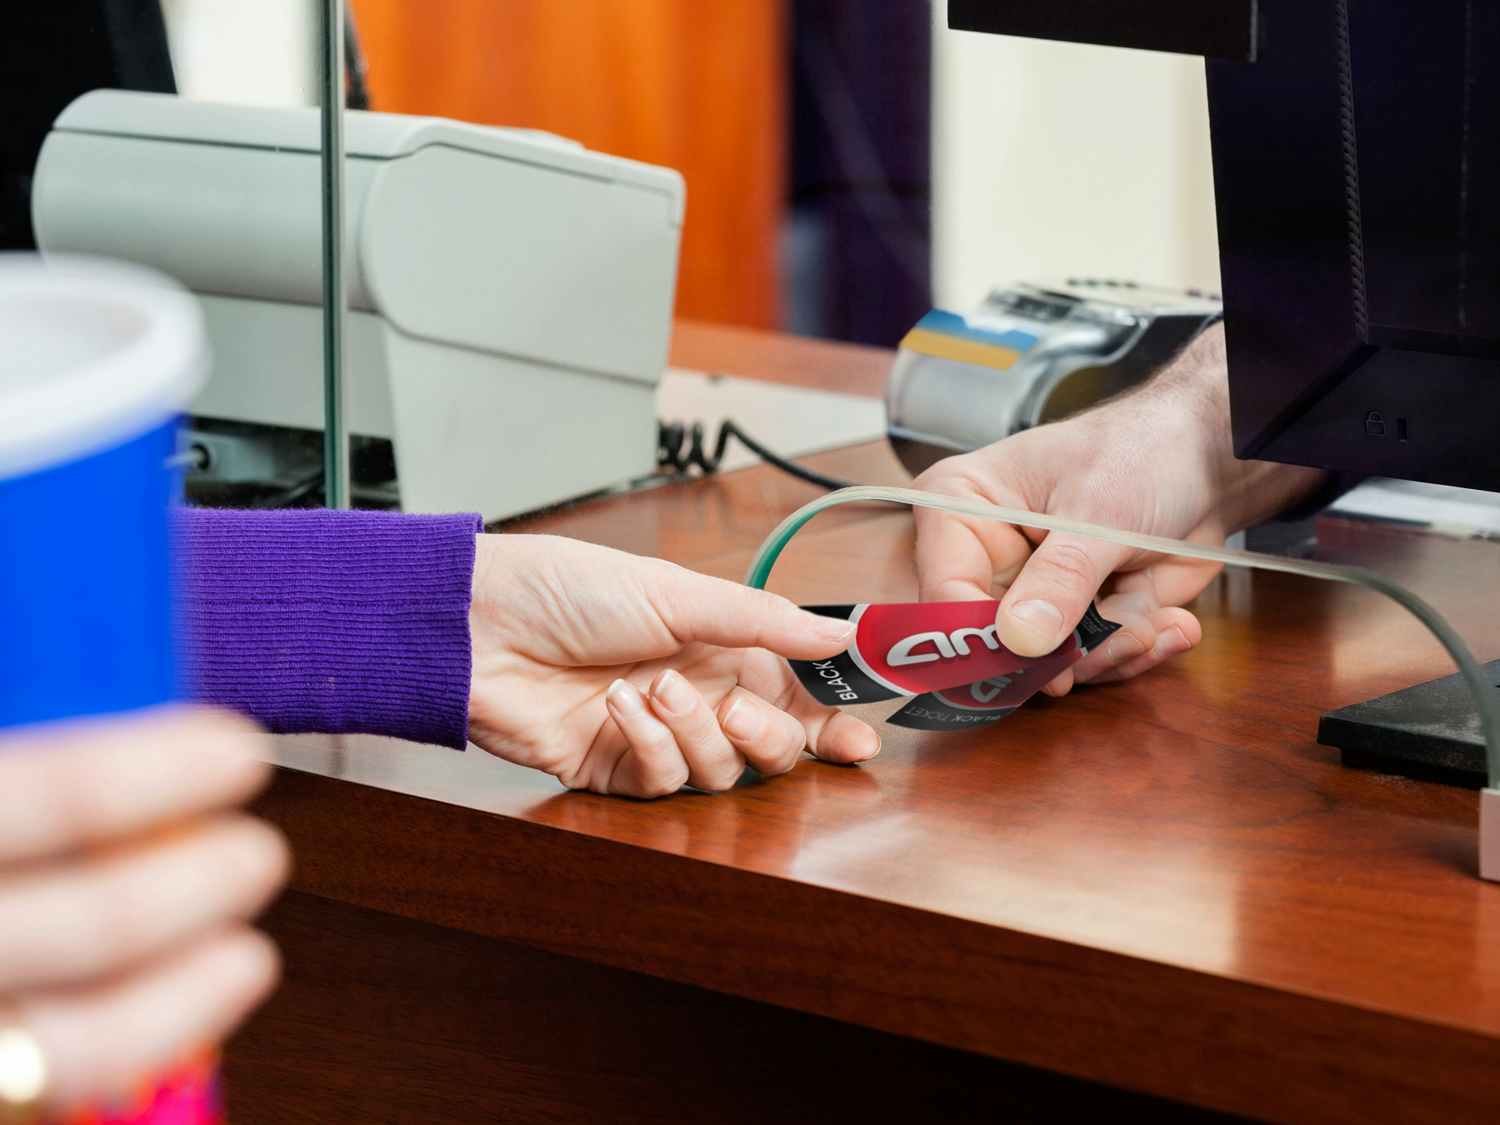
{"type": "Point", "coordinates": [699, 87]}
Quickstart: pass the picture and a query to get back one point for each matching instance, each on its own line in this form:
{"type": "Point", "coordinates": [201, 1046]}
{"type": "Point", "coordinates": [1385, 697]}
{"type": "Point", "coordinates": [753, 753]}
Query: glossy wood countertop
{"type": "Point", "coordinates": [1166, 885]}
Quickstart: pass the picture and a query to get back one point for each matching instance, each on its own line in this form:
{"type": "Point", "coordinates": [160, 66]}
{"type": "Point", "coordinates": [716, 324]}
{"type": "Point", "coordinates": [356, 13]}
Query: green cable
{"type": "Point", "coordinates": [1486, 700]}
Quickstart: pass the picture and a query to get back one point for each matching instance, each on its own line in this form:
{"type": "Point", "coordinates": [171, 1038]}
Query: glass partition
{"type": "Point", "coordinates": [331, 89]}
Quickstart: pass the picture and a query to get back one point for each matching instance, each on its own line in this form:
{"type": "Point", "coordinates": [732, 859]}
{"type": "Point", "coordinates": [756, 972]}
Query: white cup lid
{"type": "Point", "coordinates": [92, 354]}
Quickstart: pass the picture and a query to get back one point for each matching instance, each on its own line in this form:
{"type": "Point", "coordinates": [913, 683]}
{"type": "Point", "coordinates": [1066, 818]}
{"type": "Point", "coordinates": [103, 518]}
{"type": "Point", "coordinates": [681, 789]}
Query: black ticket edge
{"type": "Point", "coordinates": [929, 712]}
{"type": "Point", "coordinates": [839, 681]}
{"type": "Point", "coordinates": [1094, 628]}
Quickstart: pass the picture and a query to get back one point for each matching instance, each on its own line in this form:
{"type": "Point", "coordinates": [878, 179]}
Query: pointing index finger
{"type": "Point", "coordinates": [712, 611]}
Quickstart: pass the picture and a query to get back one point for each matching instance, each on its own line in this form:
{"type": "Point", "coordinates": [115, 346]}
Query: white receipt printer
{"type": "Point", "coordinates": [510, 292]}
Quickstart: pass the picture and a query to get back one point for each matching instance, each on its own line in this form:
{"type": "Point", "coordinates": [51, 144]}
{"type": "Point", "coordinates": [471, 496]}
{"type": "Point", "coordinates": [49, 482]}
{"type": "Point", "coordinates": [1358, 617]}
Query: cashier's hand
{"type": "Point", "coordinates": [126, 883]}
{"type": "Point", "coordinates": [1159, 461]}
{"type": "Point", "coordinates": [630, 675]}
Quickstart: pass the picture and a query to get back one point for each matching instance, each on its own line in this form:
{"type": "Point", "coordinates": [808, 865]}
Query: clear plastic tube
{"type": "Point", "coordinates": [1486, 700]}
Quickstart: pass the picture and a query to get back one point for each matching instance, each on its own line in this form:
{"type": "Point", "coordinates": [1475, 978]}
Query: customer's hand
{"type": "Point", "coordinates": [126, 881]}
{"type": "Point", "coordinates": [629, 675]}
{"type": "Point", "coordinates": [1158, 461]}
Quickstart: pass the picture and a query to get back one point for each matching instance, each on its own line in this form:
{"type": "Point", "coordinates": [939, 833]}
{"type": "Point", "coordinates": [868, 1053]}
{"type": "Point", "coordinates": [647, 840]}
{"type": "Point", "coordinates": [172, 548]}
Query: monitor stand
{"type": "Point", "coordinates": [1429, 732]}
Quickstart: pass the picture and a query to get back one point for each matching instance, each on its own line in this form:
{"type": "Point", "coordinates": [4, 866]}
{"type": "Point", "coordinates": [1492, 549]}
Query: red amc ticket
{"type": "Point", "coordinates": [943, 656]}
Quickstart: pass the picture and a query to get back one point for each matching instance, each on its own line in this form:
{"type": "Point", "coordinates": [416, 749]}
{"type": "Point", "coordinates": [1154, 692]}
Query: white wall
{"type": "Point", "coordinates": [251, 52]}
{"type": "Point", "coordinates": [1052, 159]}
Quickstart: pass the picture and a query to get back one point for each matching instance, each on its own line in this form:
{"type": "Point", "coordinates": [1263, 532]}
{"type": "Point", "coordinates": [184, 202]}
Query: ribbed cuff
{"type": "Point", "coordinates": [337, 622]}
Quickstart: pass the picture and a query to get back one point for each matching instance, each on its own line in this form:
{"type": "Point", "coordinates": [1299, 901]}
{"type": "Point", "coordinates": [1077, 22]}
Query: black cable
{"type": "Point", "coordinates": [681, 448]}
{"type": "Point", "coordinates": [292, 494]}
{"type": "Point", "coordinates": [678, 447]}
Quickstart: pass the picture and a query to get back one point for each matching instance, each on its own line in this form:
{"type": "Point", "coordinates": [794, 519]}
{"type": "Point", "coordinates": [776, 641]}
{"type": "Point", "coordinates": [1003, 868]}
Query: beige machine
{"type": "Point", "coordinates": [510, 292]}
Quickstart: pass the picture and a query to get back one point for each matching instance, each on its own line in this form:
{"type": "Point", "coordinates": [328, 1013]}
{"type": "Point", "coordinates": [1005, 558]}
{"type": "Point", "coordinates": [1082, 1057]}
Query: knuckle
{"type": "Point", "coordinates": [1123, 647]}
{"type": "Point", "coordinates": [251, 774]}
{"type": "Point", "coordinates": [949, 476]}
{"type": "Point", "coordinates": [944, 483]}
{"type": "Point", "coordinates": [664, 783]}
{"type": "Point", "coordinates": [693, 726]}
{"type": "Point", "coordinates": [659, 743]}
{"type": "Point", "coordinates": [789, 694]}
{"type": "Point", "coordinates": [1067, 564]}
{"type": "Point", "coordinates": [720, 779]}
{"type": "Point", "coordinates": [268, 856]}
{"type": "Point", "coordinates": [788, 753]}
{"type": "Point", "coordinates": [769, 605]}
{"type": "Point", "coordinates": [215, 723]}
{"type": "Point", "coordinates": [246, 858]}
{"type": "Point", "coordinates": [674, 582]}
{"type": "Point", "coordinates": [72, 807]}
{"type": "Point", "coordinates": [102, 926]}
{"type": "Point", "coordinates": [784, 763]}
{"type": "Point", "coordinates": [550, 756]}
{"type": "Point", "coordinates": [929, 479]}
{"type": "Point", "coordinates": [262, 960]}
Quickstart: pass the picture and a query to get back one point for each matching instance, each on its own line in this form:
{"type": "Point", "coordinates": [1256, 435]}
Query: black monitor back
{"type": "Point", "coordinates": [1356, 148]}
{"type": "Point", "coordinates": [1357, 179]}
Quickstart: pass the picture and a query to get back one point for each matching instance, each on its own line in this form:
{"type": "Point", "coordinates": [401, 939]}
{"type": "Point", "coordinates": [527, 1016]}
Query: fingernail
{"type": "Point", "coordinates": [860, 746]}
{"type": "Point", "coordinates": [1123, 646]}
{"type": "Point", "coordinates": [835, 630]}
{"type": "Point", "coordinates": [1032, 629]}
{"type": "Point", "coordinates": [1170, 642]}
{"type": "Point", "coordinates": [674, 693]}
{"type": "Point", "coordinates": [625, 698]}
{"type": "Point", "coordinates": [742, 722]}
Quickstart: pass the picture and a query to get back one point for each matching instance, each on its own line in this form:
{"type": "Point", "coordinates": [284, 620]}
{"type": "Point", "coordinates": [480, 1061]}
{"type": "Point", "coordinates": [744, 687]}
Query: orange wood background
{"type": "Point", "coordinates": [700, 87]}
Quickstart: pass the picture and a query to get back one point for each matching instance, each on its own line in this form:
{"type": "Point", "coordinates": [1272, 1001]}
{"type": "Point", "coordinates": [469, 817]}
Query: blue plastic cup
{"type": "Point", "coordinates": [97, 363]}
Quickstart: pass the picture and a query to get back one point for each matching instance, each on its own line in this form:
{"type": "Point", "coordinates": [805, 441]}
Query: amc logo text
{"type": "Point", "coordinates": [945, 646]}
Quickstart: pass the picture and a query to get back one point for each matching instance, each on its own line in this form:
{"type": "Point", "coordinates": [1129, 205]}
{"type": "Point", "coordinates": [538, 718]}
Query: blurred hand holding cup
{"type": "Point", "coordinates": [99, 361]}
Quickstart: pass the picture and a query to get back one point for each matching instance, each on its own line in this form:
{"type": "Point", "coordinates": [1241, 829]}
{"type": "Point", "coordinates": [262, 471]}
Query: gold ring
{"type": "Point", "coordinates": [23, 1072]}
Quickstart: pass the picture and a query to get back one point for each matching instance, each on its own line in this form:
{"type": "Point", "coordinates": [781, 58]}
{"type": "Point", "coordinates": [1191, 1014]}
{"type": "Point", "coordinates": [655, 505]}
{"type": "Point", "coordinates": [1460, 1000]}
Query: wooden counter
{"type": "Point", "coordinates": [1157, 890]}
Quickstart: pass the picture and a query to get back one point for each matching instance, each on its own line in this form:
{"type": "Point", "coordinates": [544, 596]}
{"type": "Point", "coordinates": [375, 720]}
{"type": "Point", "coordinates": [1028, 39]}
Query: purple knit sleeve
{"type": "Point", "coordinates": [337, 622]}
